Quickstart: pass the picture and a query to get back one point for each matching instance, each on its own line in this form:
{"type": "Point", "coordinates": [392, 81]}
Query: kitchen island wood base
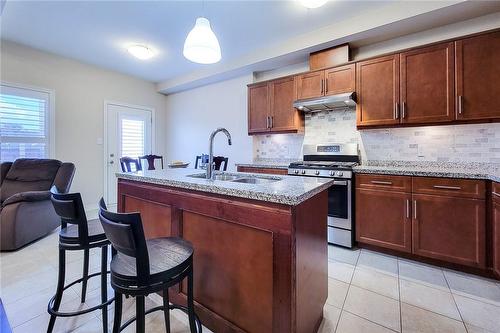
{"type": "Point", "coordinates": [258, 266]}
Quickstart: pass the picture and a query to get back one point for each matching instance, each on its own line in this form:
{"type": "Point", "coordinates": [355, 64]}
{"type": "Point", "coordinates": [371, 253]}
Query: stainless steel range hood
{"type": "Point", "coordinates": [327, 103]}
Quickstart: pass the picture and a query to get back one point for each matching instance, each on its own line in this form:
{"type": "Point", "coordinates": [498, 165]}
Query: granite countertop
{"type": "Point", "coordinates": [485, 171]}
{"type": "Point", "coordinates": [289, 190]}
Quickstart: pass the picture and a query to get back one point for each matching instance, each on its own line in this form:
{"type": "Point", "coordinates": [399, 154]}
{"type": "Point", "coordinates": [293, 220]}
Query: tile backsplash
{"type": "Point", "coordinates": [450, 143]}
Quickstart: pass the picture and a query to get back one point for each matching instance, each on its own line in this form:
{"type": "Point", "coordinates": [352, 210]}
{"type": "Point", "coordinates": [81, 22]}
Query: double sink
{"type": "Point", "coordinates": [244, 179]}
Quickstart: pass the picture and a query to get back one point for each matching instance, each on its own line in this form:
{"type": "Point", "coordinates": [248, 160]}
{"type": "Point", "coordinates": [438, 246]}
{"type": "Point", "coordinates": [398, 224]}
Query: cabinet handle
{"type": "Point", "coordinates": [444, 187]}
{"type": "Point", "coordinates": [415, 209]}
{"type": "Point", "coordinates": [321, 86]}
{"type": "Point", "coordinates": [326, 85]}
{"type": "Point", "coordinates": [272, 122]}
{"type": "Point", "coordinates": [396, 110]}
{"type": "Point", "coordinates": [407, 208]}
{"type": "Point", "coordinates": [267, 122]}
{"type": "Point", "coordinates": [496, 194]}
{"type": "Point", "coordinates": [403, 109]}
{"type": "Point", "coordinates": [460, 104]}
{"type": "Point", "coordinates": [381, 182]}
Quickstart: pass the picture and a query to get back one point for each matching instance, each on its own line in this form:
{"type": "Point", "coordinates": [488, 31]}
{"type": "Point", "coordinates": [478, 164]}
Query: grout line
{"type": "Point", "coordinates": [455, 302]}
{"type": "Point", "coordinates": [371, 321]}
{"type": "Point", "coordinates": [400, 300]}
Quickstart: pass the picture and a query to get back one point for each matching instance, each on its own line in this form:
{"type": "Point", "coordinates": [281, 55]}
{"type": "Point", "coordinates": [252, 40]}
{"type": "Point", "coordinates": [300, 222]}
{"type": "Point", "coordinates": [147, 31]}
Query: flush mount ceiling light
{"type": "Point", "coordinates": [313, 3]}
{"type": "Point", "coordinates": [201, 45]}
{"type": "Point", "coordinates": [140, 51]}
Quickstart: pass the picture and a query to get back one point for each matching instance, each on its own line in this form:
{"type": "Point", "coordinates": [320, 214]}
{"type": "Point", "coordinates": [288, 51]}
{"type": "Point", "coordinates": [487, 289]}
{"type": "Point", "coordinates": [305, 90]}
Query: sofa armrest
{"type": "Point", "coordinates": [4, 168]}
{"type": "Point", "coordinates": [27, 196]}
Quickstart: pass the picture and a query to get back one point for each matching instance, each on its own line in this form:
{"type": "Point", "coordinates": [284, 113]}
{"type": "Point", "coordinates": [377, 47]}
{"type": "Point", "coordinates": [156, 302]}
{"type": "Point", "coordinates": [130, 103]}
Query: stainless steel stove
{"type": "Point", "coordinates": [330, 160]}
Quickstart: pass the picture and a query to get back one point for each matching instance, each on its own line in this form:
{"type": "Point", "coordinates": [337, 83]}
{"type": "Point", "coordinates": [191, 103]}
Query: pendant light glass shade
{"type": "Point", "coordinates": [201, 45]}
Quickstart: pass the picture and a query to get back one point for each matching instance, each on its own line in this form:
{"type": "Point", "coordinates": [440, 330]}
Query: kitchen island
{"type": "Point", "coordinates": [260, 260]}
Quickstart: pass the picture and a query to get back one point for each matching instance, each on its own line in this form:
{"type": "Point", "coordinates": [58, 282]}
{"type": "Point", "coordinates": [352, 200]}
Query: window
{"type": "Point", "coordinates": [132, 137]}
{"type": "Point", "coordinates": [24, 123]}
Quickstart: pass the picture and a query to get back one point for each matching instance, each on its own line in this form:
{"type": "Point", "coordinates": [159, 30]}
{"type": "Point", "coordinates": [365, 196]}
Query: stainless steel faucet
{"type": "Point", "coordinates": [211, 149]}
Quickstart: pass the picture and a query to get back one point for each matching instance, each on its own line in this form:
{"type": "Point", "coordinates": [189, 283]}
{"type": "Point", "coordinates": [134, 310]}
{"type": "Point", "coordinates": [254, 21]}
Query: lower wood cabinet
{"type": "Point", "coordinates": [496, 228]}
{"type": "Point", "coordinates": [383, 219]}
{"type": "Point", "coordinates": [272, 171]}
{"type": "Point", "coordinates": [438, 218]}
{"type": "Point", "coordinates": [450, 229]}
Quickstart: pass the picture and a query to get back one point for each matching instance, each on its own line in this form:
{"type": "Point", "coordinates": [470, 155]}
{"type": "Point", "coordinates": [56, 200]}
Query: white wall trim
{"type": "Point", "coordinates": [52, 112]}
{"type": "Point", "coordinates": [106, 104]}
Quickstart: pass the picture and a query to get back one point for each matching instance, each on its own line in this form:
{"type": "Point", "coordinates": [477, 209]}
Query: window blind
{"type": "Point", "coordinates": [132, 132]}
{"type": "Point", "coordinates": [24, 120]}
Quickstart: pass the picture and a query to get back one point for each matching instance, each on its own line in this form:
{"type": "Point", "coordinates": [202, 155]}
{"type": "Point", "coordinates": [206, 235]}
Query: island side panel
{"type": "Point", "coordinates": [311, 262]}
{"type": "Point", "coordinates": [264, 229]}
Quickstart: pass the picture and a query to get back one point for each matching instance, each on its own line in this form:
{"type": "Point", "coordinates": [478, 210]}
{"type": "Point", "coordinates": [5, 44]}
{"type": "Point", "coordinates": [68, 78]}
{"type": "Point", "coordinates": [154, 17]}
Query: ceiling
{"type": "Point", "coordinates": [254, 35]}
{"type": "Point", "coordinates": [97, 32]}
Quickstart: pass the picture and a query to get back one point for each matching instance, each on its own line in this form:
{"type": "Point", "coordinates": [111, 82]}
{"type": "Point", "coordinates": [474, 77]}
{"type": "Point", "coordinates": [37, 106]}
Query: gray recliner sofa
{"type": "Point", "coordinates": [26, 212]}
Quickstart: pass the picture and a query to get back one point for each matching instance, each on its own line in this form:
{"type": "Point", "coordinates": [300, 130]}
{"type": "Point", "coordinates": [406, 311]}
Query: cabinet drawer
{"type": "Point", "coordinates": [467, 188]}
{"type": "Point", "coordinates": [495, 191]}
{"type": "Point", "coordinates": [387, 182]}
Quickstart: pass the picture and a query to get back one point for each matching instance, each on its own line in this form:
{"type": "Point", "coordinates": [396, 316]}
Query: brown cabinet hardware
{"type": "Point", "coordinates": [381, 182]}
{"type": "Point", "coordinates": [407, 209]}
{"type": "Point", "coordinates": [396, 111]}
{"type": "Point", "coordinates": [403, 109]}
{"type": "Point", "coordinates": [444, 187]}
{"type": "Point", "coordinates": [460, 104]}
{"type": "Point", "coordinates": [415, 209]}
{"type": "Point", "coordinates": [326, 85]}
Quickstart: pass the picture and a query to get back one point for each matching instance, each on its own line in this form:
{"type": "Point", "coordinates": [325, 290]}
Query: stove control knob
{"type": "Point", "coordinates": [303, 172]}
{"type": "Point", "coordinates": [317, 172]}
{"type": "Point", "coordinates": [332, 173]}
{"type": "Point", "coordinates": [340, 173]}
{"type": "Point", "coordinates": [296, 172]}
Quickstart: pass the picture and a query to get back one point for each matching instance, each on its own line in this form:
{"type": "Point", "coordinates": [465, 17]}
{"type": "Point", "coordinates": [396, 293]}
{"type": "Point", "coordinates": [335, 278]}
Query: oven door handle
{"type": "Point", "coordinates": [340, 182]}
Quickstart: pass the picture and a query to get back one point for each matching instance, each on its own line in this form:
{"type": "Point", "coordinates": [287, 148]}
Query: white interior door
{"type": "Point", "coordinates": [129, 133]}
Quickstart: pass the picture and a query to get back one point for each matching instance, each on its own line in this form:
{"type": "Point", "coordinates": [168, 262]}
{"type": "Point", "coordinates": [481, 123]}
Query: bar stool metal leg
{"type": "Point", "coordinates": [190, 301]}
{"type": "Point", "coordinates": [104, 287]}
{"type": "Point", "coordinates": [166, 308]}
{"type": "Point", "coordinates": [85, 275]}
{"type": "Point", "coordinates": [140, 324]}
{"type": "Point", "coordinates": [117, 320]}
{"type": "Point", "coordinates": [60, 287]}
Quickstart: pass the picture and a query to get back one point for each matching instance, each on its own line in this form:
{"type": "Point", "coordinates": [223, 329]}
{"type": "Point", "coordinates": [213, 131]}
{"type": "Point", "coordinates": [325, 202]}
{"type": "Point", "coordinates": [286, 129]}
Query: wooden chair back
{"type": "Point", "coordinates": [151, 160]}
{"type": "Point", "coordinates": [218, 161]}
{"type": "Point", "coordinates": [127, 162]}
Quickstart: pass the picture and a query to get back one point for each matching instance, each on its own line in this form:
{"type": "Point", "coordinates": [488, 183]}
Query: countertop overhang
{"type": "Point", "coordinates": [289, 190]}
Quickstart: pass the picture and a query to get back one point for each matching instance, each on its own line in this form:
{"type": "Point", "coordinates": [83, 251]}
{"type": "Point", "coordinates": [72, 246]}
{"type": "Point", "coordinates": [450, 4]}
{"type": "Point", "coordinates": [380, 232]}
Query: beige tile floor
{"type": "Point", "coordinates": [368, 292]}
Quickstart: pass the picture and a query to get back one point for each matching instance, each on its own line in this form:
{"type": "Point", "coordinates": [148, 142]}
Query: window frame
{"type": "Point", "coordinates": [50, 116]}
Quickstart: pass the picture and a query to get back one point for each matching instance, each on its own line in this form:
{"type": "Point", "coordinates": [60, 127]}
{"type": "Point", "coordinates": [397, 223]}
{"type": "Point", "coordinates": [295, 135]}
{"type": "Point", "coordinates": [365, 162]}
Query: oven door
{"type": "Point", "coordinates": [339, 204]}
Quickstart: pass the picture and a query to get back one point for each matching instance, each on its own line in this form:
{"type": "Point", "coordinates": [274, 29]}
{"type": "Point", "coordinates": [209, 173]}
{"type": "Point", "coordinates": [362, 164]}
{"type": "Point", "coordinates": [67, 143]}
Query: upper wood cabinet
{"type": "Point", "coordinates": [340, 79]}
{"type": "Point", "coordinates": [270, 107]}
{"type": "Point", "coordinates": [326, 82]}
{"type": "Point", "coordinates": [258, 108]}
{"type": "Point", "coordinates": [310, 84]}
{"type": "Point", "coordinates": [477, 77]}
{"type": "Point", "coordinates": [427, 85]}
{"type": "Point", "coordinates": [377, 89]}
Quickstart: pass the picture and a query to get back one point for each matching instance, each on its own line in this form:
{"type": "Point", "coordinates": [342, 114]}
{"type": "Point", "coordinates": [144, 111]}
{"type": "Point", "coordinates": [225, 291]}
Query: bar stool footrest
{"type": "Point", "coordinates": [50, 307]}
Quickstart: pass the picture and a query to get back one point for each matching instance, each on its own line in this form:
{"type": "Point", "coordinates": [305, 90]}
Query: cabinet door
{"type": "Point", "coordinates": [340, 80]}
{"type": "Point", "coordinates": [449, 228]}
{"type": "Point", "coordinates": [377, 89]}
{"type": "Point", "coordinates": [258, 108]}
{"type": "Point", "coordinates": [477, 73]}
{"type": "Point", "coordinates": [427, 85]}
{"type": "Point", "coordinates": [383, 218]}
{"type": "Point", "coordinates": [496, 237]}
{"type": "Point", "coordinates": [284, 117]}
{"type": "Point", "coordinates": [310, 85]}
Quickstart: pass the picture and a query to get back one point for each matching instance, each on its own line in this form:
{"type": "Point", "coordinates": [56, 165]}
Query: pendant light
{"type": "Point", "coordinates": [201, 45]}
{"type": "Point", "coordinates": [313, 3]}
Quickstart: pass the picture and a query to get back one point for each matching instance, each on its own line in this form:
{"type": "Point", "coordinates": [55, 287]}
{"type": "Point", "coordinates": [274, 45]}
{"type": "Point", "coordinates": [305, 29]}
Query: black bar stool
{"type": "Point", "coordinates": [78, 234]}
{"type": "Point", "coordinates": [141, 267]}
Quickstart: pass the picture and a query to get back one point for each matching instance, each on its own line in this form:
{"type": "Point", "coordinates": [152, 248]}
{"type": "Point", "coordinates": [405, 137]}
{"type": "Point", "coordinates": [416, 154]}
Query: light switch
{"type": "Point", "coordinates": [99, 141]}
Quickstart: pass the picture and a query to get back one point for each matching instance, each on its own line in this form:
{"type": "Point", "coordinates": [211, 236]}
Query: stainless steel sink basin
{"type": "Point", "coordinates": [222, 176]}
{"type": "Point", "coordinates": [256, 180]}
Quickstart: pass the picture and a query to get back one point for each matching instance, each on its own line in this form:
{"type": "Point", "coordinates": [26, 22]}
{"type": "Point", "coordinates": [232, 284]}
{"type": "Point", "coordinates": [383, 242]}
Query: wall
{"type": "Point", "coordinates": [192, 115]}
{"type": "Point", "coordinates": [453, 143]}
{"type": "Point", "coordinates": [80, 91]}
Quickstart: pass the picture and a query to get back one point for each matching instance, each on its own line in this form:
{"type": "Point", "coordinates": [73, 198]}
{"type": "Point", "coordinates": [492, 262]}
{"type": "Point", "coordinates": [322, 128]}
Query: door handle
{"type": "Point", "coordinates": [407, 208]}
{"type": "Point", "coordinates": [415, 209]}
{"type": "Point", "coordinates": [460, 104]}
{"type": "Point", "coordinates": [111, 162]}
{"type": "Point", "coordinates": [396, 110]}
{"type": "Point", "coordinates": [340, 182]}
{"type": "Point", "coordinates": [380, 182]}
{"type": "Point", "coordinates": [444, 187]}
